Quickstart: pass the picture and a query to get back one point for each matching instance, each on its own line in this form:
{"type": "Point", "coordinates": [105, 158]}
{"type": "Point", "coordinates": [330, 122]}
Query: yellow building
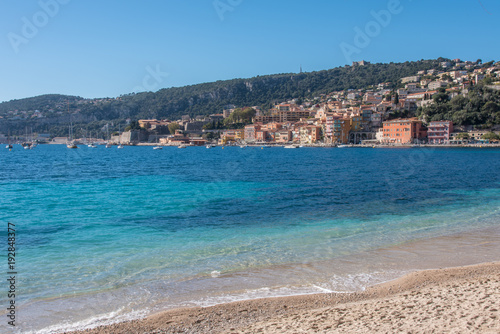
{"type": "Point", "coordinates": [230, 136]}
{"type": "Point", "coordinates": [356, 123]}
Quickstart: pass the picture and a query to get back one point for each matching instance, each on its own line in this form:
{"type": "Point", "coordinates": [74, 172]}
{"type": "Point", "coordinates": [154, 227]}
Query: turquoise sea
{"type": "Point", "coordinates": [105, 235]}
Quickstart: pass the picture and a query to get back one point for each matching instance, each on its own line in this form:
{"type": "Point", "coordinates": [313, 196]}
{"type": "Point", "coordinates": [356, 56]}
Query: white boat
{"type": "Point", "coordinates": [71, 144]}
{"type": "Point", "coordinates": [92, 145]}
{"type": "Point", "coordinates": [291, 146]}
{"type": "Point", "coordinates": [120, 146]}
{"type": "Point", "coordinates": [108, 145]}
{"type": "Point", "coordinates": [243, 146]}
{"type": "Point", "coordinates": [157, 148]}
{"type": "Point", "coordinates": [182, 146]}
{"type": "Point", "coordinates": [343, 146]}
{"type": "Point", "coordinates": [27, 145]}
{"type": "Point", "coordinates": [8, 146]}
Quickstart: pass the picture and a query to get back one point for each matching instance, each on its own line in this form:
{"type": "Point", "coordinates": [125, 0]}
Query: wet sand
{"type": "Point", "coordinates": [454, 300]}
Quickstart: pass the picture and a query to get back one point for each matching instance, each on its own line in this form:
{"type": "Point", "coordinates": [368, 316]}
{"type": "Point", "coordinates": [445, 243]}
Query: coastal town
{"type": "Point", "coordinates": [383, 114]}
{"type": "Point", "coordinates": [356, 117]}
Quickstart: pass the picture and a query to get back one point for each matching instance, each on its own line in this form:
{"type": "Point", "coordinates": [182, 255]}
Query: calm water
{"type": "Point", "coordinates": [106, 234]}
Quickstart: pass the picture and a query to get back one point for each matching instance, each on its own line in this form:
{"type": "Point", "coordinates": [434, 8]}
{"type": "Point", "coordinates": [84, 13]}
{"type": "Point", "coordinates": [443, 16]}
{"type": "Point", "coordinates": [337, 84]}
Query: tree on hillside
{"type": "Point", "coordinates": [240, 116]}
{"type": "Point", "coordinates": [134, 125]}
{"type": "Point", "coordinates": [447, 77]}
{"type": "Point", "coordinates": [172, 127]}
{"type": "Point", "coordinates": [441, 98]}
{"type": "Point", "coordinates": [491, 136]}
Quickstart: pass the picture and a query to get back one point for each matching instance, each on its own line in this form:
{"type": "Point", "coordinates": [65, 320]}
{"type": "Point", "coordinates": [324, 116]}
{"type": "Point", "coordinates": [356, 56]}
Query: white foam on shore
{"type": "Point", "coordinates": [93, 322]}
{"type": "Point", "coordinates": [338, 284]}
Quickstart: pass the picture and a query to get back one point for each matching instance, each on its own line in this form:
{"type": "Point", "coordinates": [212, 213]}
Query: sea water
{"type": "Point", "coordinates": [105, 235]}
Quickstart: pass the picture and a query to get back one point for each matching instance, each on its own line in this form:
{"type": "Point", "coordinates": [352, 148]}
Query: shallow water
{"type": "Point", "coordinates": [107, 234]}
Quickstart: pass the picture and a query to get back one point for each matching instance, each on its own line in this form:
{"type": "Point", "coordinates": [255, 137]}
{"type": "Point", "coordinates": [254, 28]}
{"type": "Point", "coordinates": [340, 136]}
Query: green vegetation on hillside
{"type": "Point", "coordinates": [101, 115]}
{"type": "Point", "coordinates": [481, 108]}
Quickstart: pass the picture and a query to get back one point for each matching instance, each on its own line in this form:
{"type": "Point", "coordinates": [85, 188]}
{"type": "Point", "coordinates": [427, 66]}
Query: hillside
{"type": "Point", "coordinates": [200, 99]}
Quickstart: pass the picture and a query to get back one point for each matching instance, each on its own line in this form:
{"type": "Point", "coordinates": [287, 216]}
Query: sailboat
{"type": "Point", "coordinates": [108, 144]}
{"type": "Point", "coordinates": [9, 145]}
{"type": "Point", "coordinates": [33, 141]}
{"type": "Point", "coordinates": [71, 142]}
{"type": "Point", "coordinates": [27, 143]}
{"type": "Point", "coordinates": [120, 136]}
{"type": "Point", "coordinates": [91, 143]}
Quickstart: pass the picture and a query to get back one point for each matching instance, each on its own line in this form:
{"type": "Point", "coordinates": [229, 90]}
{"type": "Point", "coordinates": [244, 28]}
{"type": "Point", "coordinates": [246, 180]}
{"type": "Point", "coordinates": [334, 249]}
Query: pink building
{"type": "Point", "coordinates": [439, 132]}
{"type": "Point", "coordinates": [251, 132]}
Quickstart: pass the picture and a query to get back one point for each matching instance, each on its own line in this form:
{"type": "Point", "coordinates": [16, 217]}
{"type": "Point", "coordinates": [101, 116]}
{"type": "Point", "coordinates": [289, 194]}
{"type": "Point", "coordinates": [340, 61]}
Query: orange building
{"type": "Point", "coordinates": [337, 129]}
{"type": "Point", "coordinates": [403, 131]}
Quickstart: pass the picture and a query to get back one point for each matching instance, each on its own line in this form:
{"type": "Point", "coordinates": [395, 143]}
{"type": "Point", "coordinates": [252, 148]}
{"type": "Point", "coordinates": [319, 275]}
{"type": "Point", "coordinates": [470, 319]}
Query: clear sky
{"type": "Point", "coordinates": [107, 48]}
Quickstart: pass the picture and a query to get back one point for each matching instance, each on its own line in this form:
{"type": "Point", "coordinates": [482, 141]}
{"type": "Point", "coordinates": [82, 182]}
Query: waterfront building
{"type": "Point", "coordinates": [283, 136]}
{"type": "Point", "coordinates": [250, 132]}
{"type": "Point", "coordinates": [177, 139]}
{"type": "Point", "coordinates": [439, 132]}
{"type": "Point", "coordinates": [404, 131]}
{"type": "Point", "coordinates": [337, 129]}
{"type": "Point", "coordinates": [198, 141]}
{"type": "Point", "coordinates": [355, 123]}
{"type": "Point", "coordinates": [310, 134]}
{"type": "Point", "coordinates": [229, 136]}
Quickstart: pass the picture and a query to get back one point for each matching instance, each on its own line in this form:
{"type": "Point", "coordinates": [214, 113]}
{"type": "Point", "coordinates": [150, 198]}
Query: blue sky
{"type": "Point", "coordinates": [107, 48]}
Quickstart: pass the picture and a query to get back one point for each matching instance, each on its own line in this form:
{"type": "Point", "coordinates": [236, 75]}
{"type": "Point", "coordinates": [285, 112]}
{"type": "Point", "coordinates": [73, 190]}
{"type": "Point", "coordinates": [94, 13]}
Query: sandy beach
{"type": "Point", "coordinates": [453, 300]}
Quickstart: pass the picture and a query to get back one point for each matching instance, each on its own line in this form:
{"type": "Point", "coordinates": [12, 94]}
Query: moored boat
{"type": "Point", "coordinates": [71, 144]}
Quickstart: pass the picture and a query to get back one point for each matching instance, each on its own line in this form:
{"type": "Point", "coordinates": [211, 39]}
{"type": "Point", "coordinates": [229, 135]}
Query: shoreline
{"type": "Point", "coordinates": [461, 254]}
{"type": "Point", "coordinates": [272, 145]}
{"type": "Point", "coordinates": [464, 299]}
